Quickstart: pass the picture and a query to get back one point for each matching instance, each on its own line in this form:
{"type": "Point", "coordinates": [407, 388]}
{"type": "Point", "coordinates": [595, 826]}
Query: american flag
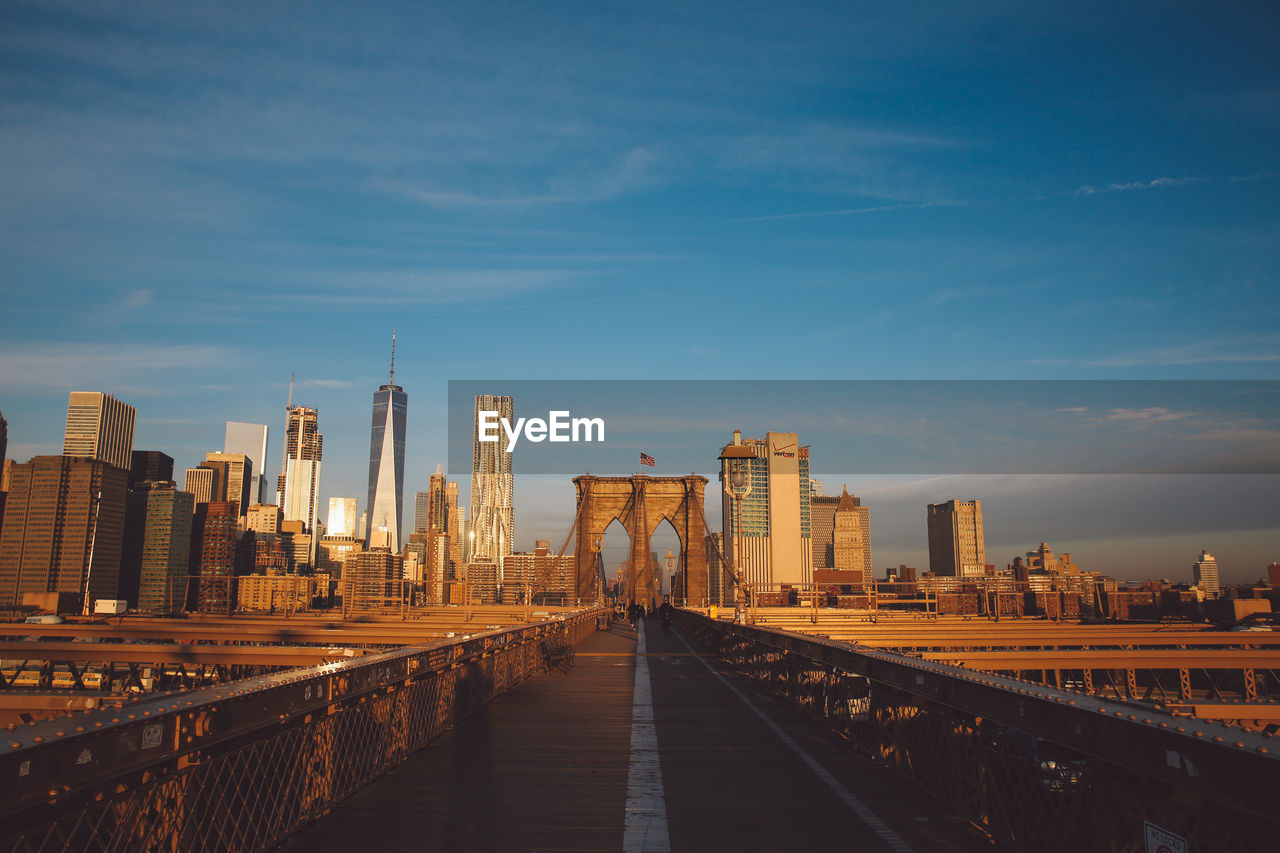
{"type": "Point", "coordinates": [646, 459]}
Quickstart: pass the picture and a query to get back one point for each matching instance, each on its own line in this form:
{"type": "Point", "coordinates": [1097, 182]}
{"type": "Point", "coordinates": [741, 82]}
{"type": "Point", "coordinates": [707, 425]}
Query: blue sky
{"type": "Point", "coordinates": [199, 200]}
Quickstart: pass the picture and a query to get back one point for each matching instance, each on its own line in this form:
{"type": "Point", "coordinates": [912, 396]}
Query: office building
{"type": "Point", "coordinates": [371, 580]}
{"type": "Point", "coordinates": [421, 512]}
{"type": "Point", "coordinates": [282, 594]}
{"type": "Point", "coordinates": [251, 440]}
{"type": "Point", "coordinates": [462, 540]}
{"type": "Point", "coordinates": [263, 520]}
{"type": "Point", "coordinates": [236, 477]}
{"type": "Point", "coordinates": [218, 547]}
{"type": "Point", "coordinates": [441, 500]}
{"type": "Point", "coordinates": [386, 459]}
{"type": "Point", "coordinates": [1205, 572]}
{"type": "Point", "coordinates": [299, 482]}
{"type": "Point", "coordinates": [539, 575]}
{"type": "Point", "coordinates": [332, 553]}
{"type": "Point", "coordinates": [956, 544]}
{"type": "Point", "coordinates": [774, 545]}
{"type": "Point", "coordinates": [300, 546]}
{"type": "Point", "coordinates": [481, 580]}
{"type": "Point", "coordinates": [851, 545]}
{"type": "Point", "coordinates": [342, 517]}
{"type": "Point", "coordinates": [150, 466]}
{"type": "Point", "coordinates": [823, 510]}
{"type": "Point", "coordinates": [100, 427]}
{"type": "Point", "coordinates": [157, 547]}
{"type": "Point", "coordinates": [204, 483]}
{"type": "Point", "coordinates": [492, 515]}
{"type": "Point", "coordinates": [63, 528]}
{"type": "Point", "coordinates": [1043, 559]}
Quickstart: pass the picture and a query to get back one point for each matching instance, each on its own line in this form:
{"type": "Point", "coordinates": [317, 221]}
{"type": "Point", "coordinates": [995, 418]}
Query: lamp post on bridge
{"type": "Point", "coordinates": [466, 578]}
{"type": "Point", "coordinates": [736, 460]}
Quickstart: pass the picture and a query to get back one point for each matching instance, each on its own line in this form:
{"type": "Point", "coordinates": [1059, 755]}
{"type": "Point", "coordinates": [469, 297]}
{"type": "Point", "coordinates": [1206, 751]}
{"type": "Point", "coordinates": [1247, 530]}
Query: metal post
{"type": "Point", "coordinates": [87, 607]}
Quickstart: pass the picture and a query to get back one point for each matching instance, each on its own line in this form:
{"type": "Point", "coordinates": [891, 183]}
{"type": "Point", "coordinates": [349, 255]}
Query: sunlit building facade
{"type": "Point", "coordinates": [774, 544]}
{"type": "Point", "coordinates": [492, 516]}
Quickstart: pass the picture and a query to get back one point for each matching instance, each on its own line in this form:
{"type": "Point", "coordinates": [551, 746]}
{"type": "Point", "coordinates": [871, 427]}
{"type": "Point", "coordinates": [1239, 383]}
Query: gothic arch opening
{"type": "Point", "coordinates": [640, 503]}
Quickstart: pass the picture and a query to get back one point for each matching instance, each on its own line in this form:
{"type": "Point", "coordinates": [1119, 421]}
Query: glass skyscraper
{"type": "Point", "coordinates": [386, 463]}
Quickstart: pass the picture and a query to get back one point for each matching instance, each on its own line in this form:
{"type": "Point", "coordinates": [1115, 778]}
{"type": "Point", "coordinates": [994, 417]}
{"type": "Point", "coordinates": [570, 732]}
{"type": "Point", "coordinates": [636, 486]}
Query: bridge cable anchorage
{"type": "Point", "coordinates": [645, 826]}
{"type": "Point", "coordinates": [851, 800]}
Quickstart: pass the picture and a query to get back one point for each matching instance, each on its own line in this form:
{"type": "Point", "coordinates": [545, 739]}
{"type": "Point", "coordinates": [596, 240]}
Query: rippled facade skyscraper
{"type": "Point", "coordinates": [492, 530]}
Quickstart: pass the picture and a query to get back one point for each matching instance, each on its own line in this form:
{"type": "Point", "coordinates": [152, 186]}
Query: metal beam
{"type": "Point", "coordinates": [175, 653]}
{"type": "Point", "coordinates": [1000, 661]}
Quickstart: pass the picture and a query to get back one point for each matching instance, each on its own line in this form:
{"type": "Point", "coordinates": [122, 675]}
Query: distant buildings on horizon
{"type": "Point", "coordinates": [111, 521]}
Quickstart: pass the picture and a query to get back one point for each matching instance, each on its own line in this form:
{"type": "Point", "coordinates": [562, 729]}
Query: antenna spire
{"type": "Point", "coordinates": [289, 405]}
{"type": "Point", "coordinates": [392, 381]}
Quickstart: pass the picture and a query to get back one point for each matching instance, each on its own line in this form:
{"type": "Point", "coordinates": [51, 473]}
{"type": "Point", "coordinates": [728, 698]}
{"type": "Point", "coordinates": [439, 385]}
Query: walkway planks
{"type": "Point", "coordinates": [545, 767]}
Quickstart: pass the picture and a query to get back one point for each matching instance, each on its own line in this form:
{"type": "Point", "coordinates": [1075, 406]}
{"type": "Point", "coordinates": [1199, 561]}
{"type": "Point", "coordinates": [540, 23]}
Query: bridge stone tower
{"type": "Point", "coordinates": [641, 503]}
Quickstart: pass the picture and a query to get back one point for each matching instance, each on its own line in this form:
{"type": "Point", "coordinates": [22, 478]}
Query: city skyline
{"type": "Point", "coordinates": [834, 191]}
{"type": "Point", "coordinates": [1035, 508]}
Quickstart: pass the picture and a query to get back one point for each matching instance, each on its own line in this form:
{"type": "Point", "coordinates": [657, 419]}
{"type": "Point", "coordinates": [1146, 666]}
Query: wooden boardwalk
{"type": "Point", "coordinates": [547, 767]}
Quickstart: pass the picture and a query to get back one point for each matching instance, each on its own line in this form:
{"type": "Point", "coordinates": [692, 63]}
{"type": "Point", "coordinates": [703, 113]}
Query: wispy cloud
{"type": "Point", "coordinates": [1148, 415]}
{"type": "Point", "coordinates": [1138, 185]}
{"type": "Point", "coordinates": [121, 367]}
{"type": "Point", "coordinates": [1246, 349]}
{"type": "Point", "coordinates": [854, 211]}
{"type": "Point", "coordinates": [138, 299]}
{"type": "Point", "coordinates": [327, 383]}
{"type": "Point", "coordinates": [637, 169]}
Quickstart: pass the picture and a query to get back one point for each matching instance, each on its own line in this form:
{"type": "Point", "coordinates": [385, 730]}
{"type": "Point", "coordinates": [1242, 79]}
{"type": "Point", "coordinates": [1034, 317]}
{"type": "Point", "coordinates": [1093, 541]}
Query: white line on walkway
{"type": "Point", "coordinates": [646, 826]}
{"type": "Point", "coordinates": [860, 808]}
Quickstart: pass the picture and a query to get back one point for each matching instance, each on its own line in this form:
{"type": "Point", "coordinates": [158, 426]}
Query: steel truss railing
{"type": "Point", "coordinates": [240, 767]}
{"type": "Point", "coordinates": [1037, 768]}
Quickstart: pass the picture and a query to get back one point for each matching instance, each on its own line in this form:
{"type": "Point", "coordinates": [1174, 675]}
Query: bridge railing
{"type": "Point", "coordinates": [1037, 768]}
{"type": "Point", "coordinates": [238, 767]}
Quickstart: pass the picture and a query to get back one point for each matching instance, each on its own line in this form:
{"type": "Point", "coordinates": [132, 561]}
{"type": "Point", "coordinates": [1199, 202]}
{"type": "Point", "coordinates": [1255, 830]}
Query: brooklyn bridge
{"type": "Point", "coordinates": [568, 729]}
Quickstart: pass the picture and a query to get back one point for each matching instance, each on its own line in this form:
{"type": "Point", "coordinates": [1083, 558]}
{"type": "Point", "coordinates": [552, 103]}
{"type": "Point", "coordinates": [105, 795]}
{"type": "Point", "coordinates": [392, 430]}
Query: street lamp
{"type": "Point", "coordinates": [466, 578]}
{"type": "Point", "coordinates": [736, 472]}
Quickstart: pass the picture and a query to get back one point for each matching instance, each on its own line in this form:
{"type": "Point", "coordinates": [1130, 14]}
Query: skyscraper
{"type": "Point", "coordinates": [63, 528]}
{"type": "Point", "coordinates": [299, 482]}
{"type": "Point", "coordinates": [217, 568]}
{"type": "Point", "coordinates": [386, 458]}
{"type": "Point", "coordinates": [236, 478]}
{"type": "Point", "coordinates": [775, 544]}
{"type": "Point", "coordinates": [1205, 571]}
{"type": "Point", "coordinates": [437, 508]}
{"type": "Point", "coordinates": [956, 544]}
{"type": "Point", "coordinates": [492, 514]}
{"type": "Point", "coordinates": [100, 427]}
{"type": "Point", "coordinates": [342, 517]}
{"type": "Point", "coordinates": [851, 542]}
{"type": "Point", "coordinates": [251, 440]}
{"type": "Point", "coordinates": [150, 466]}
{"type": "Point", "coordinates": [204, 483]}
{"type": "Point", "coordinates": [421, 512]}
{"type": "Point", "coordinates": [823, 510]}
{"type": "Point", "coordinates": [157, 547]}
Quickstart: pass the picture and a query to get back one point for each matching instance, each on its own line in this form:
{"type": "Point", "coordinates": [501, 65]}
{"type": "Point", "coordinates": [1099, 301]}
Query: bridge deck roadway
{"type": "Point", "coordinates": [560, 764]}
